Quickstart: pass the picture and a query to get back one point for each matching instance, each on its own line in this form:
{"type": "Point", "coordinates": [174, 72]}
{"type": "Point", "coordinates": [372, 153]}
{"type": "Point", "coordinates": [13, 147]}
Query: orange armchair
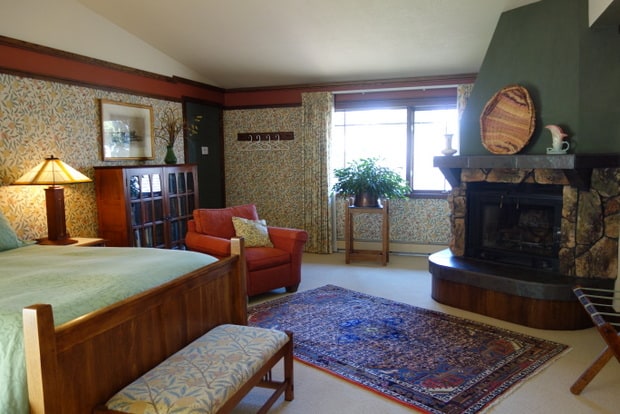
{"type": "Point", "coordinates": [268, 268]}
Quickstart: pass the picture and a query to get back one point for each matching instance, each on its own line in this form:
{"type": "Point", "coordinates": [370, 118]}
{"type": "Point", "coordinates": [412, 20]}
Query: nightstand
{"type": "Point", "coordinates": [86, 241]}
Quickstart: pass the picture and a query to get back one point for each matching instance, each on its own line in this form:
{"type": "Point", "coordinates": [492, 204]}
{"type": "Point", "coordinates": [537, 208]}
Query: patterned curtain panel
{"type": "Point", "coordinates": [316, 127]}
{"type": "Point", "coordinates": [463, 92]}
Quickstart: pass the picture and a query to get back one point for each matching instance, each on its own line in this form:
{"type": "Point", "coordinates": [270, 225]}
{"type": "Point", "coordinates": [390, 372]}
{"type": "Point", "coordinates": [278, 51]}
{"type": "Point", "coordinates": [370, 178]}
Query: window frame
{"type": "Point", "coordinates": [438, 103]}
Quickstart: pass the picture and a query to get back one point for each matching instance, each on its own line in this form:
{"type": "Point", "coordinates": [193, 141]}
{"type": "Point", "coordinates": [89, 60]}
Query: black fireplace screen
{"type": "Point", "coordinates": [514, 224]}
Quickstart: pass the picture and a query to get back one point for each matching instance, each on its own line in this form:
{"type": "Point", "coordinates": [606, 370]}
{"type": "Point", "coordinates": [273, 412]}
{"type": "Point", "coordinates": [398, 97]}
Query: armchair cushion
{"type": "Point", "coordinates": [218, 221]}
{"type": "Point", "coordinates": [254, 232]}
{"type": "Point", "coordinates": [265, 257]}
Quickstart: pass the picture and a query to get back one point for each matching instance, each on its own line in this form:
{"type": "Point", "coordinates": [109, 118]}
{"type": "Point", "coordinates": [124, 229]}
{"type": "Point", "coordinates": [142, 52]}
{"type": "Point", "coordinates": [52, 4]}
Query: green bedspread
{"type": "Point", "coordinates": [75, 281]}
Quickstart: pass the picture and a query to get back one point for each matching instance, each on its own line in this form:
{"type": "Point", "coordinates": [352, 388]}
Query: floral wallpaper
{"type": "Point", "coordinates": [267, 173]}
{"type": "Point", "coordinates": [415, 221]}
{"type": "Point", "coordinates": [40, 118]}
{"type": "Point", "coordinates": [270, 177]}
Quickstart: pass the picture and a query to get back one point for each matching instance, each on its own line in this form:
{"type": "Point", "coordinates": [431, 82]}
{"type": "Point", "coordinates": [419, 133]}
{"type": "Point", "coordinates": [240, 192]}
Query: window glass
{"type": "Point", "coordinates": [430, 127]}
{"type": "Point", "coordinates": [371, 134]}
{"type": "Point", "coordinates": [383, 134]}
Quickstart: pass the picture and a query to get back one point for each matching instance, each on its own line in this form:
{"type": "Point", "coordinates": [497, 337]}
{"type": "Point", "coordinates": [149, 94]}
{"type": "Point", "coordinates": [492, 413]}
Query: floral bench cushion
{"type": "Point", "coordinates": [203, 375]}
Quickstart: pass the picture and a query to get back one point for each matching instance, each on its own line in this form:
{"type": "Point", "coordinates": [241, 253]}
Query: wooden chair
{"type": "Point", "coordinates": [599, 305]}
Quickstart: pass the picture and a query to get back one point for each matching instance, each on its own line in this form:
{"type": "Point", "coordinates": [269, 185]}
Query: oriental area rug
{"type": "Point", "coordinates": [427, 360]}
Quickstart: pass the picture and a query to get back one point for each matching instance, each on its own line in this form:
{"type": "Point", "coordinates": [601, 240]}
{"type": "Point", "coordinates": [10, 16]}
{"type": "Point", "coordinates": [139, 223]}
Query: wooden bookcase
{"type": "Point", "coordinates": [146, 206]}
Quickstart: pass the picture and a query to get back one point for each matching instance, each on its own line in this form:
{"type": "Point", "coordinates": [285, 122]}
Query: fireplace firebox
{"type": "Point", "coordinates": [514, 224]}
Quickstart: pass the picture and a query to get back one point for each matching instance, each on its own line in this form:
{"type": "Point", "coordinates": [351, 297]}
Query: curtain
{"type": "Point", "coordinates": [316, 131]}
{"type": "Point", "coordinates": [463, 92]}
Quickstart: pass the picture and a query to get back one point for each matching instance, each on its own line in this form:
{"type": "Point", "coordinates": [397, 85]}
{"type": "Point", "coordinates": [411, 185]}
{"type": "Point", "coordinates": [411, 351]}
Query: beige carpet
{"type": "Point", "coordinates": [406, 279]}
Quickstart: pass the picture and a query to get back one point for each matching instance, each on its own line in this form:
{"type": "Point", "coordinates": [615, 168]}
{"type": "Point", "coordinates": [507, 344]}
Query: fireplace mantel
{"type": "Point", "coordinates": [576, 167]}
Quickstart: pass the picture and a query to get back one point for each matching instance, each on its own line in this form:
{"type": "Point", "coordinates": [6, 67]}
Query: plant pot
{"type": "Point", "coordinates": [366, 200]}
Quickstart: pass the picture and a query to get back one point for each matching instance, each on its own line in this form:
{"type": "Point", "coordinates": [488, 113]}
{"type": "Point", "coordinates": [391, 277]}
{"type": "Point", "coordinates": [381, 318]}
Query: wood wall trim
{"type": "Point", "coordinates": [30, 60]}
{"type": "Point", "coordinates": [291, 95]}
{"type": "Point", "coordinates": [26, 59]}
{"type": "Point", "coordinates": [400, 83]}
{"type": "Point", "coordinates": [20, 44]}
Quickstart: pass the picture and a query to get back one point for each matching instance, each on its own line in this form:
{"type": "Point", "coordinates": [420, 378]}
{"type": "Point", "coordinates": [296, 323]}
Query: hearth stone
{"type": "Point", "coordinates": [527, 297]}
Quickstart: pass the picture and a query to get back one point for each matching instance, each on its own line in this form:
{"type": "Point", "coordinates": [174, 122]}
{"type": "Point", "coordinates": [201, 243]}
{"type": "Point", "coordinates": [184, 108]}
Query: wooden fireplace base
{"type": "Point", "coordinates": [527, 297]}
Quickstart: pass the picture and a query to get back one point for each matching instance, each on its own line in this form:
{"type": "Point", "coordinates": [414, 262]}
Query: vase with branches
{"type": "Point", "coordinates": [171, 124]}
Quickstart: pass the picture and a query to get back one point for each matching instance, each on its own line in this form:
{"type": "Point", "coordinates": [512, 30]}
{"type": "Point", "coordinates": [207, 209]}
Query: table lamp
{"type": "Point", "coordinates": [53, 172]}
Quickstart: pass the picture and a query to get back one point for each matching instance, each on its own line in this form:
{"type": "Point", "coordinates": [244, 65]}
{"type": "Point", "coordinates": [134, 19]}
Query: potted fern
{"type": "Point", "coordinates": [368, 182]}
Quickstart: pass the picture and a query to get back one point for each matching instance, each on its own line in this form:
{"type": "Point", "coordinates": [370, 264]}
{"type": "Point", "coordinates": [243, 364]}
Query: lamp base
{"type": "Point", "coordinates": [60, 242]}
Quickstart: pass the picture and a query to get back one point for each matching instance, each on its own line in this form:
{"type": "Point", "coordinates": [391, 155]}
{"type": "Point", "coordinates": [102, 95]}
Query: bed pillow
{"type": "Point", "coordinates": [254, 232]}
{"type": "Point", "coordinates": [8, 238]}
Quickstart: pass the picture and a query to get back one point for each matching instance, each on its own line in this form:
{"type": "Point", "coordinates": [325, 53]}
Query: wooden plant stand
{"type": "Point", "coordinates": [381, 255]}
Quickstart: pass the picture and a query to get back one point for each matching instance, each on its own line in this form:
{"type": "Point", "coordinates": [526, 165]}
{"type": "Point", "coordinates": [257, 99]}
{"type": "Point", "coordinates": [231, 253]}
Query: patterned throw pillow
{"type": "Point", "coordinates": [8, 238]}
{"type": "Point", "coordinates": [254, 232]}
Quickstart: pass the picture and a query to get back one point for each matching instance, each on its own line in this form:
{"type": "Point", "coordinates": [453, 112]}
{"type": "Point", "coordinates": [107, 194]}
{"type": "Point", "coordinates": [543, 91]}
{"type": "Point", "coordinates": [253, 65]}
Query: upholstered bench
{"type": "Point", "coordinates": [211, 374]}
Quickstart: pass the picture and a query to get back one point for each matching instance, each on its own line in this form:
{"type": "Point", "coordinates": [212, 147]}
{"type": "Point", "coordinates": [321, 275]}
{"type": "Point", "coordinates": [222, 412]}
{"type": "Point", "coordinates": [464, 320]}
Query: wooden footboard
{"type": "Point", "coordinates": [79, 364]}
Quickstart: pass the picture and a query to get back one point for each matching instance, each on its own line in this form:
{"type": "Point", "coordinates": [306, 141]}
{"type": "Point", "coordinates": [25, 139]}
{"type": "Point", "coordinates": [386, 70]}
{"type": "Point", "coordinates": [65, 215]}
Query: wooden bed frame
{"type": "Point", "coordinates": [76, 366]}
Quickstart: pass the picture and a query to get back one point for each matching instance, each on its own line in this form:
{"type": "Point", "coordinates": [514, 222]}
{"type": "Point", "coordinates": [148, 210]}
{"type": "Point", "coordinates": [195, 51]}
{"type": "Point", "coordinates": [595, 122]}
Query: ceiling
{"type": "Point", "coordinates": [256, 43]}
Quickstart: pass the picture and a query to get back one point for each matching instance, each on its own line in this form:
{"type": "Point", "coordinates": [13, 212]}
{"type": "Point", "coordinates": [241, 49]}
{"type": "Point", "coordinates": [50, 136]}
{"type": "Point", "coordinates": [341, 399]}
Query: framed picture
{"type": "Point", "coordinates": [126, 131]}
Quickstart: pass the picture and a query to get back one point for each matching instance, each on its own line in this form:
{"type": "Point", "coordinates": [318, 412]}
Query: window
{"type": "Point", "coordinates": [404, 138]}
{"type": "Point", "coordinates": [430, 127]}
{"type": "Point", "coordinates": [380, 133]}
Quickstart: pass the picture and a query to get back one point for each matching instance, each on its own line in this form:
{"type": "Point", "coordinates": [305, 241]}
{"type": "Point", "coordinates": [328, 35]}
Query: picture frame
{"type": "Point", "coordinates": [126, 131]}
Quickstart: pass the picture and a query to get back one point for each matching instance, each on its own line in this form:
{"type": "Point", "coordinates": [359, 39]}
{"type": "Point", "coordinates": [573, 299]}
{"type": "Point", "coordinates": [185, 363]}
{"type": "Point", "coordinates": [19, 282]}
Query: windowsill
{"type": "Point", "coordinates": [429, 194]}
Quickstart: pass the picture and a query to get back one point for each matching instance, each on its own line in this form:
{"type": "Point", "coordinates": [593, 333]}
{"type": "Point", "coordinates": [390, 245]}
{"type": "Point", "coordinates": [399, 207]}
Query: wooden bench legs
{"type": "Point", "coordinates": [264, 379]}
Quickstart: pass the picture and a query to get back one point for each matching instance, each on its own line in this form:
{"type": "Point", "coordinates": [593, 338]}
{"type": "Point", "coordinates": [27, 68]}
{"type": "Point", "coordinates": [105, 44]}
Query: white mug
{"type": "Point", "coordinates": [559, 145]}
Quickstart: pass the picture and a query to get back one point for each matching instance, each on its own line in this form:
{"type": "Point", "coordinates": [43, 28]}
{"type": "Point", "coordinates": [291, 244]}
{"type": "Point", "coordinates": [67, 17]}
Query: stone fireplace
{"type": "Point", "coordinates": [588, 239]}
{"type": "Point", "coordinates": [525, 230]}
{"type": "Point", "coordinates": [526, 272]}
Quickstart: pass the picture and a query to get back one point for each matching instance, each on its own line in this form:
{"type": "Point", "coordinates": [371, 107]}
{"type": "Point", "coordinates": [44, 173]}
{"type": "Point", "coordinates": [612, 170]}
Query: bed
{"type": "Point", "coordinates": [79, 323]}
